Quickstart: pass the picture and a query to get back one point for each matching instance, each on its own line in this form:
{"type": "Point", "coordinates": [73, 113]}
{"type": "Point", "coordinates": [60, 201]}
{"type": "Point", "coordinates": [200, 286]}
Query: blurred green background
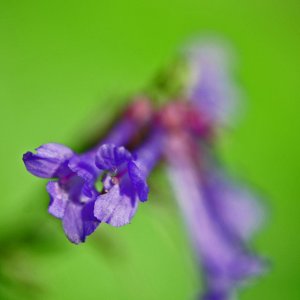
{"type": "Point", "coordinates": [62, 61]}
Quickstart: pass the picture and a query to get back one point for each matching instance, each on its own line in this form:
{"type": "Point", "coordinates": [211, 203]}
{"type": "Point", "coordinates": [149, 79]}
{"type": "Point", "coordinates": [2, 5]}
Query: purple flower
{"type": "Point", "coordinates": [73, 195]}
{"type": "Point", "coordinates": [210, 86]}
{"type": "Point", "coordinates": [220, 218]}
{"type": "Point", "coordinates": [124, 182]}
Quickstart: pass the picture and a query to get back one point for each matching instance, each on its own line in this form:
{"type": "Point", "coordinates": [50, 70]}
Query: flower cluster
{"type": "Point", "coordinates": [220, 215]}
{"type": "Point", "coordinates": [74, 197]}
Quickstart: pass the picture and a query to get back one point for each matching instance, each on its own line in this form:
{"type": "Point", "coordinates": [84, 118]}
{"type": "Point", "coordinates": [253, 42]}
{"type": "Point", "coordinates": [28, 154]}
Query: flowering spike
{"type": "Point", "coordinates": [220, 215]}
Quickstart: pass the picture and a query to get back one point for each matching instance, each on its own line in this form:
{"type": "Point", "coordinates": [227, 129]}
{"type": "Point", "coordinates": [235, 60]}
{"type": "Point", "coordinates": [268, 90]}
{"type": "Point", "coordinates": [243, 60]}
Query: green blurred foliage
{"type": "Point", "coordinates": [63, 66]}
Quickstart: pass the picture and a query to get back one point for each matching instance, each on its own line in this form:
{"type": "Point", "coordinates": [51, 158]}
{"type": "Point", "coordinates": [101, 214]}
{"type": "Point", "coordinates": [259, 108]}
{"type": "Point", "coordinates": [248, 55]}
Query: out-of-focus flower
{"type": "Point", "coordinates": [219, 216]}
{"type": "Point", "coordinates": [73, 195]}
{"type": "Point", "coordinates": [210, 86]}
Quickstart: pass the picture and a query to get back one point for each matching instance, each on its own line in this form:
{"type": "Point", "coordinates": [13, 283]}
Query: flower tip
{"type": "Point", "coordinates": [49, 161]}
{"type": "Point", "coordinates": [26, 158]}
{"type": "Point", "coordinates": [76, 241]}
{"type": "Point", "coordinates": [143, 193]}
{"type": "Point", "coordinates": [31, 165]}
{"type": "Point", "coordinates": [110, 156]}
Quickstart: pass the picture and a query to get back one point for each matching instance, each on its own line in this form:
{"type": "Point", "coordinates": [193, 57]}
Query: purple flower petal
{"type": "Point", "coordinates": [79, 221]}
{"type": "Point", "coordinates": [106, 204]}
{"type": "Point", "coordinates": [58, 199]}
{"type": "Point", "coordinates": [50, 161]}
{"type": "Point", "coordinates": [110, 157]}
{"type": "Point", "coordinates": [237, 208]}
{"type": "Point", "coordinates": [138, 178]}
{"type": "Point", "coordinates": [116, 207]}
{"type": "Point", "coordinates": [216, 295]}
{"type": "Point", "coordinates": [84, 166]}
{"type": "Point", "coordinates": [124, 211]}
{"type": "Point", "coordinates": [90, 223]}
{"type": "Point", "coordinates": [72, 223]}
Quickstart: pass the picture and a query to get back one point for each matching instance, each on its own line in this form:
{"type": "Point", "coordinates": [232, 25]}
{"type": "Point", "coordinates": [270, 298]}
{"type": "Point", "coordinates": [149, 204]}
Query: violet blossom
{"type": "Point", "coordinates": [124, 180]}
{"type": "Point", "coordinates": [73, 195]}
